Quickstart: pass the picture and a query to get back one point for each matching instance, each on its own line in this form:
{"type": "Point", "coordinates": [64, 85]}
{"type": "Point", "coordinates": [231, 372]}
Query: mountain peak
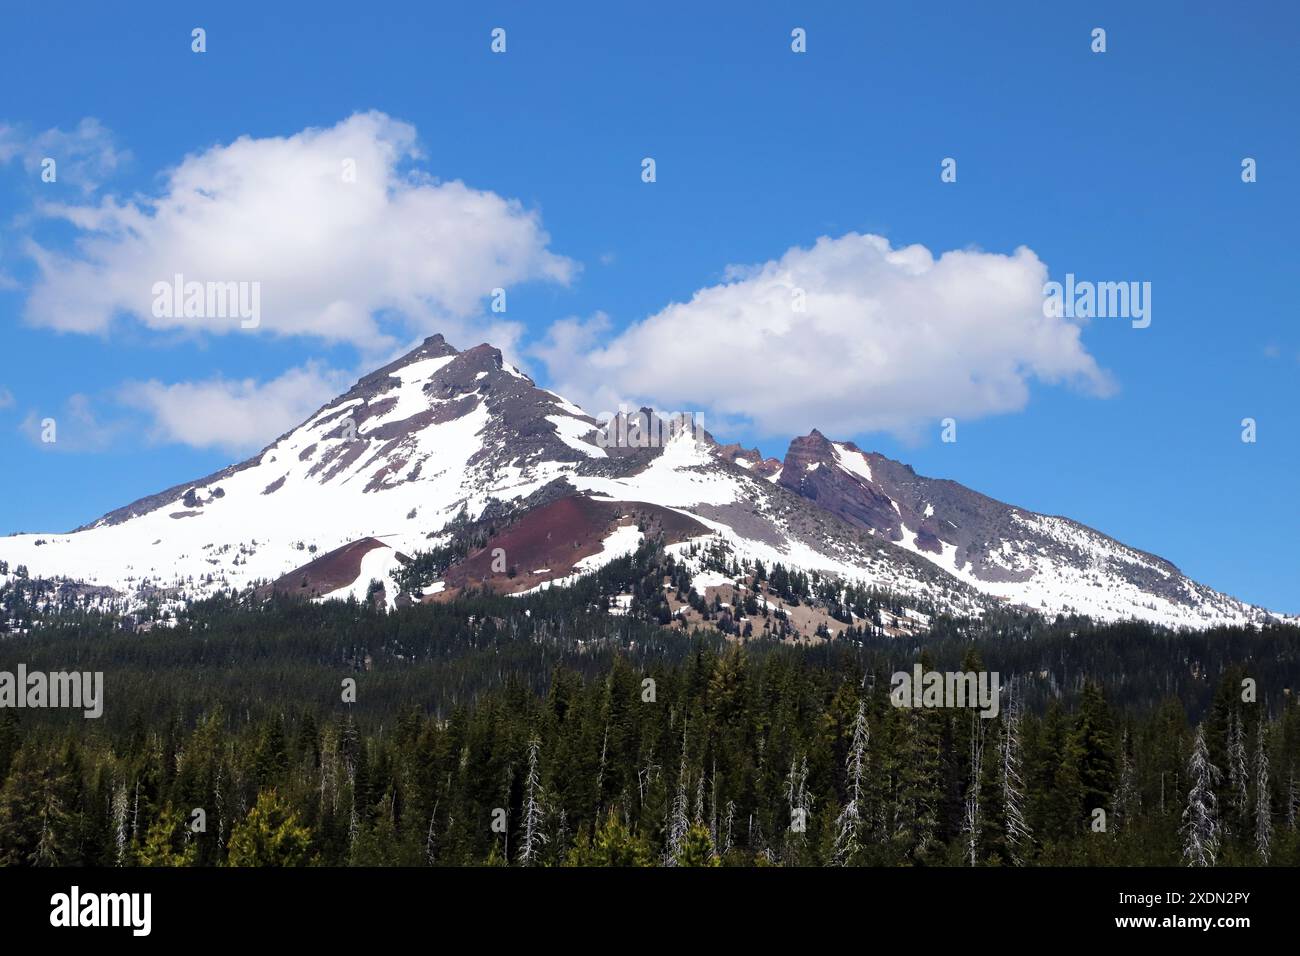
{"type": "Point", "coordinates": [435, 346]}
{"type": "Point", "coordinates": [387, 467]}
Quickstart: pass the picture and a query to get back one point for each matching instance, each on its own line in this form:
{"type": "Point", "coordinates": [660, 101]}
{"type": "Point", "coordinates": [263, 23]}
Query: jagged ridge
{"type": "Point", "coordinates": [439, 434]}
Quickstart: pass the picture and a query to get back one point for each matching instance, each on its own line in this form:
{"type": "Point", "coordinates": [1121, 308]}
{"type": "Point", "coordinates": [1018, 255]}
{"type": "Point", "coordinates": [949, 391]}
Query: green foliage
{"type": "Point", "coordinates": [697, 848]}
{"type": "Point", "coordinates": [270, 836]}
{"type": "Point", "coordinates": [236, 711]}
{"type": "Point", "coordinates": [166, 842]}
{"type": "Point", "coordinates": [613, 845]}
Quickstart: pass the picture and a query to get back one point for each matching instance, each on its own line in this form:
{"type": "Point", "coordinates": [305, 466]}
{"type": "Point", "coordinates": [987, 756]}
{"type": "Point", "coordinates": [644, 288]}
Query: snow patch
{"type": "Point", "coordinates": [852, 461]}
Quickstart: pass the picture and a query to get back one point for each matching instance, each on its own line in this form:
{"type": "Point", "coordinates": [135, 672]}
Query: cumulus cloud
{"type": "Point", "coordinates": [6, 398]}
{"type": "Point", "coordinates": [889, 340]}
{"type": "Point", "coordinates": [84, 156]}
{"type": "Point", "coordinates": [232, 415]}
{"type": "Point", "coordinates": [348, 240]}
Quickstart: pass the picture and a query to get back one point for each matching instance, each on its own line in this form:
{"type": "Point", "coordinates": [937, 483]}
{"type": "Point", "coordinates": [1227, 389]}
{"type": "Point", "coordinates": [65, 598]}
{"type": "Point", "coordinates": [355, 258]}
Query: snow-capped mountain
{"type": "Point", "coordinates": [1039, 561]}
{"type": "Point", "coordinates": [440, 436]}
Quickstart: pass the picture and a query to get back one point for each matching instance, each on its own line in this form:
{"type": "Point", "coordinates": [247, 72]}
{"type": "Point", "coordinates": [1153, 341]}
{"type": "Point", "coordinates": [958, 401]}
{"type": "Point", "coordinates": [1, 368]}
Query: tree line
{"type": "Point", "coordinates": [724, 757]}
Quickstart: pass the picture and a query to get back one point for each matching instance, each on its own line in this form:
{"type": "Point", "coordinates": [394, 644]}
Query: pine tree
{"type": "Point", "coordinates": [119, 822]}
{"type": "Point", "coordinates": [697, 848]}
{"type": "Point", "coordinates": [1201, 829]}
{"type": "Point", "coordinates": [1263, 808]}
{"type": "Point", "coordinates": [1094, 743]}
{"type": "Point", "coordinates": [160, 842]}
{"type": "Point", "coordinates": [679, 820]}
{"type": "Point", "coordinates": [613, 845]}
{"type": "Point", "coordinates": [973, 813]}
{"type": "Point", "coordinates": [1292, 802]}
{"type": "Point", "coordinates": [795, 788]}
{"type": "Point", "coordinates": [848, 843]}
{"type": "Point", "coordinates": [270, 835]}
{"type": "Point", "coordinates": [36, 825]}
{"type": "Point", "coordinates": [918, 780]}
{"type": "Point", "coordinates": [1238, 770]}
{"type": "Point", "coordinates": [533, 837]}
{"type": "Point", "coordinates": [1019, 837]}
{"type": "Point", "coordinates": [728, 820]}
{"type": "Point", "coordinates": [1127, 802]}
{"type": "Point", "coordinates": [1058, 792]}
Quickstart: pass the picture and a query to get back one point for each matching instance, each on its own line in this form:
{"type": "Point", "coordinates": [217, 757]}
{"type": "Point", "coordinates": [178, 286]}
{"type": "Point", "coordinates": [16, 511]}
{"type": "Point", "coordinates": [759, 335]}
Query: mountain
{"type": "Point", "coordinates": [439, 439]}
{"type": "Point", "coordinates": [1039, 561]}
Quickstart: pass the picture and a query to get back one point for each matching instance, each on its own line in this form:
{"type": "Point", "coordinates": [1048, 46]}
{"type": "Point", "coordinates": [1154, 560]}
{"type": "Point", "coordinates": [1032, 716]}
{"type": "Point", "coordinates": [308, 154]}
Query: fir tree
{"type": "Point", "coordinates": [270, 836]}
{"type": "Point", "coordinates": [697, 848]}
{"type": "Point", "coordinates": [612, 845]}
{"type": "Point", "coordinates": [165, 841]}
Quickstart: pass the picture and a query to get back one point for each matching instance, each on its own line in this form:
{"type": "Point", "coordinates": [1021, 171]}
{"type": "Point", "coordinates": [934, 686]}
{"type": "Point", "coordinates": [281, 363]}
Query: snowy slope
{"type": "Point", "coordinates": [1046, 563]}
{"type": "Point", "coordinates": [440, 432]}
{"type": "Point", "coordinates": [395, 458]}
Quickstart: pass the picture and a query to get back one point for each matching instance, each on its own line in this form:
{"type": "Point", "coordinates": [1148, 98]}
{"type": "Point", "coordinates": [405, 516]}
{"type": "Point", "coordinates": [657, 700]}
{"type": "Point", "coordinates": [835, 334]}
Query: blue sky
{"type": "Point", "coordinates": [1124, 165]}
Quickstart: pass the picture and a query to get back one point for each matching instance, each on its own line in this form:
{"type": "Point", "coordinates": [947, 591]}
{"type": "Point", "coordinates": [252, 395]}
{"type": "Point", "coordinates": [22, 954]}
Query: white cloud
{"type": "Point", "coordinates": [890, 340]}
{"type": "Point", "coordinates": [232, 415]}
{"type": "Point", "coordinates": [84, 157]}
{"type": "Point", "coordinates": [6, 398]}
{"type": "Point", "coordinates": [395, 251]}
